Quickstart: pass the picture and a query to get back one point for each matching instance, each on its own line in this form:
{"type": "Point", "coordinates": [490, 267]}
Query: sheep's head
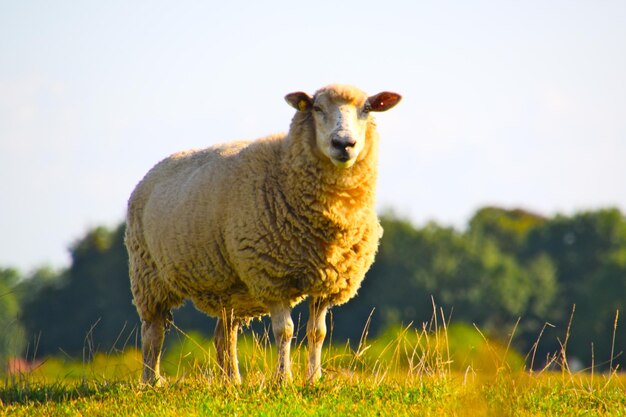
{"type": "Point", "coordinates": [341, 115]}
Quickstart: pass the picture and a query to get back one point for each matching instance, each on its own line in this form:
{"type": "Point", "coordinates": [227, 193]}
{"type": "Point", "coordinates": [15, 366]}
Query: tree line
{"type": "Point", "coordinates": [546, 280]}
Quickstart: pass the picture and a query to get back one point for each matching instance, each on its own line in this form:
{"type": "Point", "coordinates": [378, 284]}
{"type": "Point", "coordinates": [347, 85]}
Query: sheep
{"type": "Point", "coordinates": [247, 229]}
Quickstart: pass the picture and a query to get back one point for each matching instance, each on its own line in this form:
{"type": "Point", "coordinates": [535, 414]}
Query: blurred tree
{"type": "Point", "coordinates": [387, 288]}
{"type": "Point", "coordinates": [470, 278]}
{"type": "Point", "coordinates": [508, 228]}
{"type": "Point", "coordinates": [589, 254]}
{"type": "Point", "coordinates": [11, 332]}
{"type": "Point", "coordinates": [87, 307]}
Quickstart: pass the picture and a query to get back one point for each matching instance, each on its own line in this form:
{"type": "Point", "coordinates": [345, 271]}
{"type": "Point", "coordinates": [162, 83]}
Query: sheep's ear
{"type": "Point", "coordinates": [383, 101]}
{"type": "Point", "coordinates": [299, 101]}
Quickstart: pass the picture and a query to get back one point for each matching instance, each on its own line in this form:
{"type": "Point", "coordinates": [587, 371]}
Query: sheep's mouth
{"type": "Point", "coordinates": [342, 155]}
{"type": "Point", "coordinates": [343, 161]}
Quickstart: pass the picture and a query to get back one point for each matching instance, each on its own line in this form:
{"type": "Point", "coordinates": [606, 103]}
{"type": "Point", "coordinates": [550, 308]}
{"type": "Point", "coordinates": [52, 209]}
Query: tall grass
{"type": "Point", "coordinates": [436, 367]}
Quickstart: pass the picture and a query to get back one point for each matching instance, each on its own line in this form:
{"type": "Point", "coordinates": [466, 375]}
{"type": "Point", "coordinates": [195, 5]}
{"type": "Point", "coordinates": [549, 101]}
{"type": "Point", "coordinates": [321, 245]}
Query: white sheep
{"type": "Point", "coordinates": [252, 228]}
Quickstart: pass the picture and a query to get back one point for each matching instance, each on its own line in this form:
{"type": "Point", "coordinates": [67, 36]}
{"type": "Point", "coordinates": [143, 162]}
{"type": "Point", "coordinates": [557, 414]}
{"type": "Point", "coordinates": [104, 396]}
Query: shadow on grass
{"type": "Point", "coordinates": [14, 393]}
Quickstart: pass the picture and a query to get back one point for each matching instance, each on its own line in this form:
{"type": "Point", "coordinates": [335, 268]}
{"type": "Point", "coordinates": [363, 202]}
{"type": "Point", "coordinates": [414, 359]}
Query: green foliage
{"type": "Point", "coordinates": [471, 278]}
{"type": "Point", "coordinates": [588, 251]}
{"type": "Point", "coordinates": [507, 228]}
{"type": "Point", "coordinates": [11, 331]}
{"type": "Point", "coordinates": [86, 308]}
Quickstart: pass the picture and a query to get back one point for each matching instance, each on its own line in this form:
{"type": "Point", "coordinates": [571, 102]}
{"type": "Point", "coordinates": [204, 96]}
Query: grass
{"type": "Point", "coordinates": [511, 394]}
{"type": "Point", "coordinates": [450, 370]}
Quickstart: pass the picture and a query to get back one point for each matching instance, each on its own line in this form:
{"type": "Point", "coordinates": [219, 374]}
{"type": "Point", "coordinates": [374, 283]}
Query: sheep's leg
{"type": "Point", "coordinates": [282, 326]}
{"type": "Point", "coordinates": [219, 345]}
{"type": "Point", "coordinates": [316, 332]}
{"type": "Point", "coordinates": [152, 335]}
{"type": "Point", "coordinates": [226, 331]}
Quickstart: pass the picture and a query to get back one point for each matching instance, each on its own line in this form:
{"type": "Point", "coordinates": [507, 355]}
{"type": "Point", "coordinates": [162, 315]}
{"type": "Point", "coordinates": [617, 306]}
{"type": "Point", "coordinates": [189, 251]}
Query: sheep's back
{"type": "Point", "coordinates": [182, 207]}
{"type": "Point", "coordinates": [179, 202]}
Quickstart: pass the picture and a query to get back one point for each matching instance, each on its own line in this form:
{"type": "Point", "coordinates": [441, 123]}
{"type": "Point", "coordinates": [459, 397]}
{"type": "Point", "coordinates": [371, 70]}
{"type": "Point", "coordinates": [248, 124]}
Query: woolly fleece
{"type": "Point", "coordinates": [241, 226]}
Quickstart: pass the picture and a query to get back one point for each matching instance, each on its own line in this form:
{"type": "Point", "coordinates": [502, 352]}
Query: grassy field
{"type": "Point", "coordinates": [406, 371]}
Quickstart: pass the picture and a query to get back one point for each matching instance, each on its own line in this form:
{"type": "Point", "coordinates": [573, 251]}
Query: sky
{"type": "Point", "coordinates": [508, 103]}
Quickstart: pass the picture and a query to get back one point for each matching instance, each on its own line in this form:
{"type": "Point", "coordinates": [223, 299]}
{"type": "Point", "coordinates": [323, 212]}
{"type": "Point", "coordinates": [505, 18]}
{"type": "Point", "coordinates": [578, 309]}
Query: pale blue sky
{"type": "Point", "coordinates": [513, 103]}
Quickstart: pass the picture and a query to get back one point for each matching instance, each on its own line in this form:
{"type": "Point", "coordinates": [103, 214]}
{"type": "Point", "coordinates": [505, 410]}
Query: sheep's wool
{"type": "Point", "coordinates": [243, 225]}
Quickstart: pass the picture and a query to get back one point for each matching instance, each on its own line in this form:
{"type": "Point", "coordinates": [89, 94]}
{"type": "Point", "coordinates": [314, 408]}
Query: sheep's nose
{"type": "Point", "coordinates": [342, 142]}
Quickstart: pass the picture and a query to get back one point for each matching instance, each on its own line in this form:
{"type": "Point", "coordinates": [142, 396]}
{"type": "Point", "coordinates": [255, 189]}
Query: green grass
{"type": "Point", "coordinates": [406, 371]}
{"type": "Point", "coordinates": [505, 395]}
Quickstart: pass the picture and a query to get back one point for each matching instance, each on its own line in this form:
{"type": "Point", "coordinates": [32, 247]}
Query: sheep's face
{"type": "Point", "coordinates": [341, 117]}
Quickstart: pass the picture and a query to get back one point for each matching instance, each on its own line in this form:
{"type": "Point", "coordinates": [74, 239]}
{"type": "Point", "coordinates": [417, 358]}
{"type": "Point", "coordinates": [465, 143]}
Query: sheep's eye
{"type": "Point", "coordinates": [318, 109]}
{"type": "Point", "coordinates": [366, 109]}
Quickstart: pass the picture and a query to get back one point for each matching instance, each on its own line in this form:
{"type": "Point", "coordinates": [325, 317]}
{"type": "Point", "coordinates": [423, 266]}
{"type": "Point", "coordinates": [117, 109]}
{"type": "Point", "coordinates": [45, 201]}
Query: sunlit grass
{"type": "Point", "coordinates": [428, 370]}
